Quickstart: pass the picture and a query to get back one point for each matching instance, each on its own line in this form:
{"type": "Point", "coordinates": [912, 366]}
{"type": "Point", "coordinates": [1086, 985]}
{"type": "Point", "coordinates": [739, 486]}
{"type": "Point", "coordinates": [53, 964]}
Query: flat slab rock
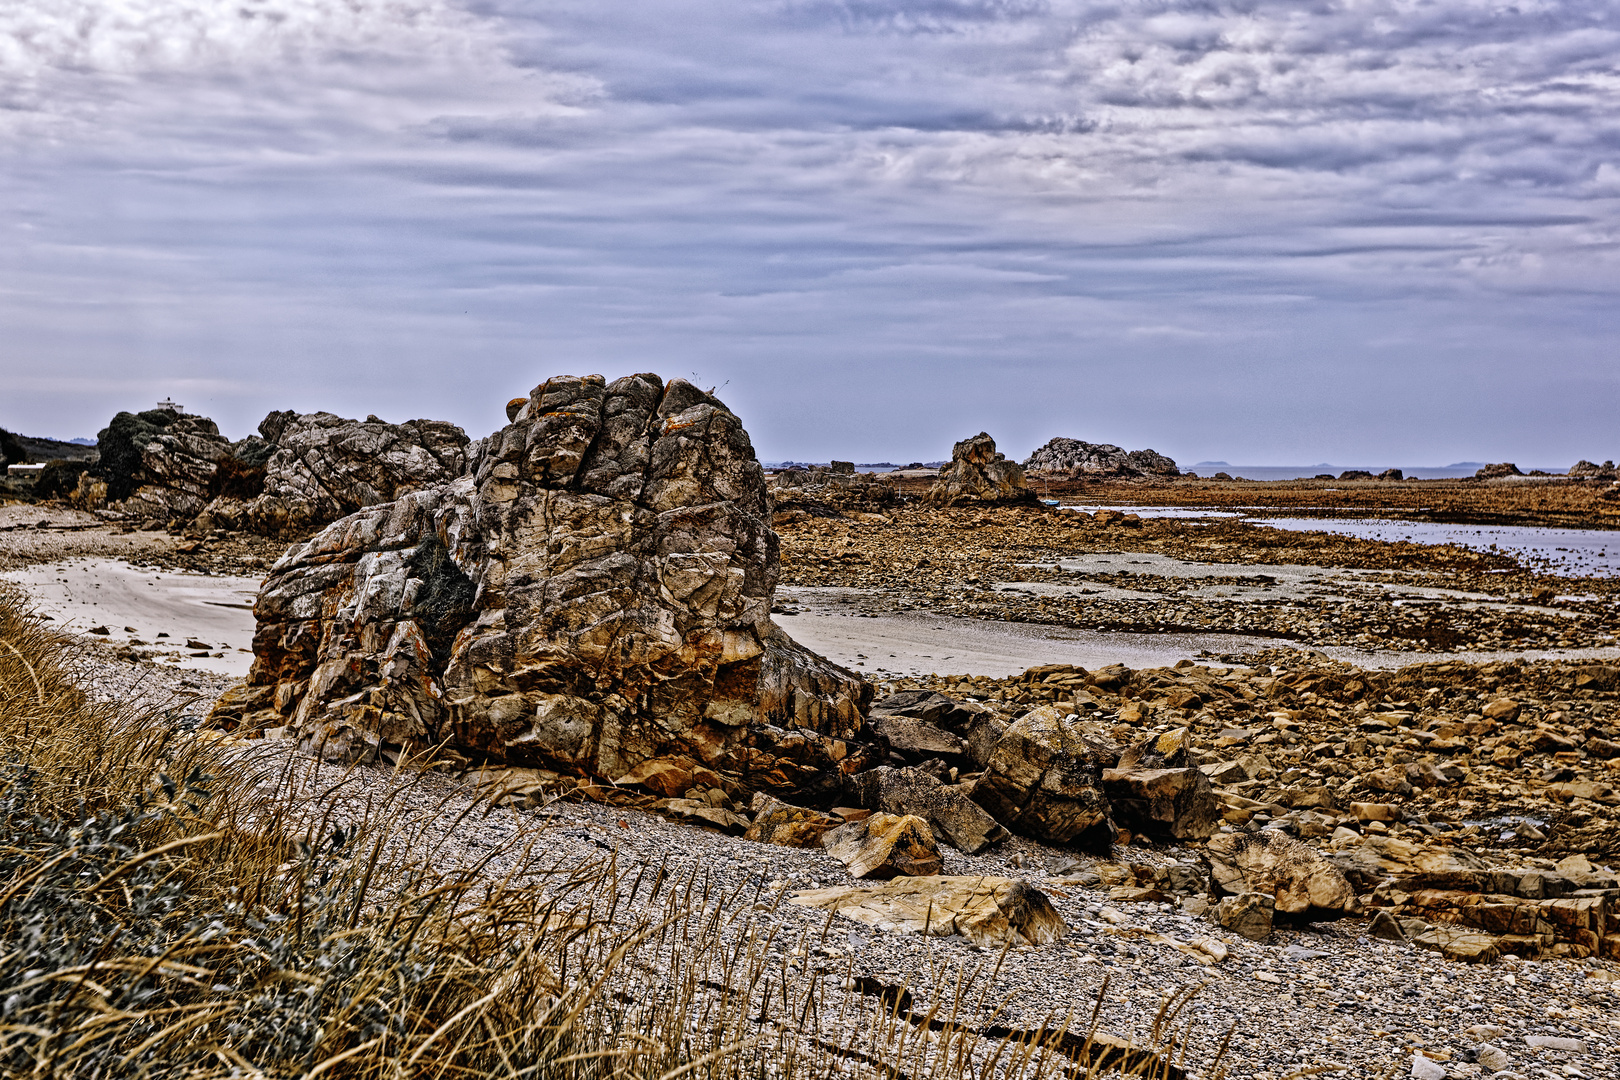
{"type": "Point", "coordinates": [985, 910]}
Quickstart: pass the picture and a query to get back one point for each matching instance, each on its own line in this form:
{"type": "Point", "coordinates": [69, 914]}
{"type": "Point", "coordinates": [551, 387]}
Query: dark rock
{"type": "Point", "coordinates": [948, 808]}
{"type": "Point", "coordinates": [1043, 780]}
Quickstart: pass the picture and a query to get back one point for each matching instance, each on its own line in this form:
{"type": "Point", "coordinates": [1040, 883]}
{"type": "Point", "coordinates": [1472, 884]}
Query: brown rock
{"type": "Point", "coordinates": [1247, 915]}
{"type": "Point", "coordinates": [1177, 803]}
{"type": "Point", "coordinates": [1294, 874]}
{"type": "Point", "coordinates": [884, 846]}
{"type": "Point", "coordinates": [948, 808]}
{"type": "Point", "coordinates": [978, 473]}
{"type": "Point", "coordinates": [1043, 780]}
{"type": "Point", "coordinates": [1503, 709]}
{"type": "Point", "coordinates": [990, 911]}
{"type": "Point", "coordinates": [594, 596]}
{"type": "Point", "coordinates": [779, 823]}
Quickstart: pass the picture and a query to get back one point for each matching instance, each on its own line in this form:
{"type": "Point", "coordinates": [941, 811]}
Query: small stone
{"type": "Point", "coordinates": [885, 846]}
{"type": "Point", "coordinates": [1491, 1057]}
{"type": "Point", "coordinates": [1426, 1069]}
{"type": "Point", "coordinates": [1555, 1042]}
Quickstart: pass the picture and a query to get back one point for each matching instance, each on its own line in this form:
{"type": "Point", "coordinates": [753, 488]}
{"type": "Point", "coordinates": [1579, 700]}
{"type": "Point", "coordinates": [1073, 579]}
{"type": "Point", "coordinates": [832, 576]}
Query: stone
{"type": "Point", "coordinates": [325, 467]}
{"type": "Point", "coordinates": [1556, 1042]}
{"type": "Point", "coordinates": [1247, 915]}
{"type": "Point", "coordinates": [594, 595]}
{"type": "Point", "coordinates": [1073, 459]}
{"type": "Point", "coordinates": [1175, 803]}
{"type": "Point", "coordinates": [1299, 879]}
{"type": "Point", "coordinates": [915, 739]}
{"type": "Point", "coordinates": [1454, 943]}
{"type": "Point", "coordinates": [987, 911]}
{"type": "Point", "coordinates": [160, 464]}
{"type": "Point", "coordinates": [1362, 811]}
{"type": "Point", "coordinates": [978, 473]}
{"type": "Point", "coordinates": [1490, 1057]}
{"type": "Point", "coordinates": [1043, 780]}
{"type": "Point", "coordinates": [1426, 1068]}
{"type": "Point", "coordinates": [884, 846]}
{"type": "Point", "coordinates": [786, 825]}
{"type": "Point", "coordinates": [1503, 709]}
{"type": "Point", "coordinates": [1385, 927]}
{"type": "Point", "coordinates": [948, 808]}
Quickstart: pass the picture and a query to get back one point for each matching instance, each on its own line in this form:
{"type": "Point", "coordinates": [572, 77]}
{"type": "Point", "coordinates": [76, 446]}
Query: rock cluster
{"type": "Point", "coordinates": [977, 472]}
{"type": "Point", "coordinates": [1586, 470]}
{"type": "Point", "coordinates": [324, 467]}
{"type": "Point", "coordinates": [594, 596]}
{"type": "Point", "coordinates": [164, 465]}
{"type": "Point", "coordinates": [1072, 459]}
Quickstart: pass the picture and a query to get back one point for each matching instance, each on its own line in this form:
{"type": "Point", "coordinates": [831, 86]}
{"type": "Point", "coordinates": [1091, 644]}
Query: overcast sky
{"type": "Point", "coordinates": [1371, 231]}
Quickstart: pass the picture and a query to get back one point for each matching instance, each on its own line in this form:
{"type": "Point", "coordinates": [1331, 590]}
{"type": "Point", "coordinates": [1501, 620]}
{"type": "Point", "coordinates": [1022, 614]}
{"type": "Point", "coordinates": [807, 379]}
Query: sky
{"type": "Point", "coordinates": [1370, 231]}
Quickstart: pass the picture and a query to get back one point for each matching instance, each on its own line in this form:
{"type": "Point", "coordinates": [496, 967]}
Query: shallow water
{"type": "Point", "coordinates": [1568, 552]}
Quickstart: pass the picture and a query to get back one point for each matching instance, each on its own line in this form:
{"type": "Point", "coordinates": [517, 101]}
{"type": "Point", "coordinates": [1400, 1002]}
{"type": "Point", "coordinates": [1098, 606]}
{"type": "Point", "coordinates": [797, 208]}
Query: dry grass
{"type": "Point", "coordinates": [157, 919]}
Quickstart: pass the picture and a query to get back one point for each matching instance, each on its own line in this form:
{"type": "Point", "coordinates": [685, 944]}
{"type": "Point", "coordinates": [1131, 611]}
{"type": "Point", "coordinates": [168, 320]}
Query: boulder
{"type": "Point", "coordinates": [885, 846]}
{"type": "Point", "coordinates": [1247, 915]}
{"type": "Point", "coordinates": [1043, 780]}
{"type": "Point", "coordinates": [786, 825]}
{"type": "Point", "coordinates": [595, 594]}
{"type": "Point", "coordinates": [988, 911]}
{"type": "Point", "coordinates": [1299, 880]}
{"type": "Point", "coordinates": [948, 808]}
{"type": "Point", "coordinates": [1176, 803]}
{"type": "Point", "coordinates": [1073, 459]}
{"type": "Point", "coordinates": [977, 472]}
{"type": "Point", "coordinates": [914, 739]}
{"type": "Point", "coordinates": [161, 464]}
{"type": "Point", "coordinates": [325, 467]}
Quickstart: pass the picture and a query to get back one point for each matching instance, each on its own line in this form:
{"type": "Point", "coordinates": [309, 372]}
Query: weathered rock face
{"type": "Point", "coordinates": [1153, 790]}
{"type": "Point", "coordinates": [1295, 875]}
{"type": "Point", "coordinates": [1043, 780]}
{"type": "Point", "coordinates": [594, 595]}
{"type": "Point", "coordinates": [319, 467]}
{"type": "Point", "coordinates": [160, 464]}
{"type": "Point", "coordinates": [1073, 459]}
{"type": "Point", "coordinates": [977, 472]}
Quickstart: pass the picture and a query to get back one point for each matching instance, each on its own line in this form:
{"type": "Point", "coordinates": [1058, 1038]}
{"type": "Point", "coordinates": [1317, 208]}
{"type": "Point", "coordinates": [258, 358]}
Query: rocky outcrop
{"type": "Point", "coordinates": [978, 473]}
{"type": "Point", "coordinates": [1043, 779]}
{"type": "Point", "coordinates": [1498, 471]}
{"type": "Point", "coordinates": [1587, 470]}
{"type": "Point", "coordinates": [319, 467]}
{"type": "Point", "coordinates": [1072, 459]}
{"type": "Point", "coordinates": [593, 596]}
{"type": "Point", "coordinates": [989, 911]}
{"type": "Point", "coordinates": [164, 465]}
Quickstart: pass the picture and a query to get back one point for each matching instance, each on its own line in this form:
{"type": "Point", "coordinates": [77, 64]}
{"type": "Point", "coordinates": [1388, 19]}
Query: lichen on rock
{"type": "Point", "coordinates": [593, 594]}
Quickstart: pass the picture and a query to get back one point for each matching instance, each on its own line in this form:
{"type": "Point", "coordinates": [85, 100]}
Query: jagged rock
{"type": "Point", "coordinates": [1496, 471]}
{"type": "Point", "coordinates": [595, 595]}
{"type": "Point", "coordinates": [1586, 470]}
{"type": "Point", "coordinates": [948, 808]}
{"type": "Point", "coordinates": [977, 472]}
{"type": "Point", "coordinates": [885, 846]}
{"type": "Point", "coordinates": [989, 911]}
{"type": "Point", "coordinates": [324, 467]}
{"type": "Point", "coordinates": [1071, 459]}
{"type": "Point", "coordinates": [1247, 915]}
{"type": "Point", "coordinates": [1298, 878]}
{"type": "Point", "coordinates": [160, 464]}
{"type": "Point", "coordinates": [1043, 780]}
{"type": "Point", "coordinates": [786, 825]}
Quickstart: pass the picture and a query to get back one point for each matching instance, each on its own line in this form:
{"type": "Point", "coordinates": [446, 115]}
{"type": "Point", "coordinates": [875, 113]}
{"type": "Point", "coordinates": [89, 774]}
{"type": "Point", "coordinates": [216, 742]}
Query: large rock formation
{"type": "Point", "coordinates": [594, 595]}
{"type": "Point", "coordinates": [1072, 459]}
{"type": "Point", "coordinates": [978, 473]}
{"type": "Point", "coordinates": [162, 464]}
{"type": "Point", "coordinates": [319, 467]}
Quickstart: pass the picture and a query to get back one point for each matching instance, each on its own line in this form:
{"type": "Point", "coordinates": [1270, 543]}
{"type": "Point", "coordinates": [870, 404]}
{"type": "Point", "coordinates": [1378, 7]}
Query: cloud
{"type": "Point", "coordinates": [1154, 203]}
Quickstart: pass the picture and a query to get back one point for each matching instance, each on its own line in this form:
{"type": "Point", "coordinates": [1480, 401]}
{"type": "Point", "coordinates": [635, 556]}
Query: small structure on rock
{"type": "Point", "coordinates": [593, 596]}
{"type": "Point", "coordinates": [978, 473]}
